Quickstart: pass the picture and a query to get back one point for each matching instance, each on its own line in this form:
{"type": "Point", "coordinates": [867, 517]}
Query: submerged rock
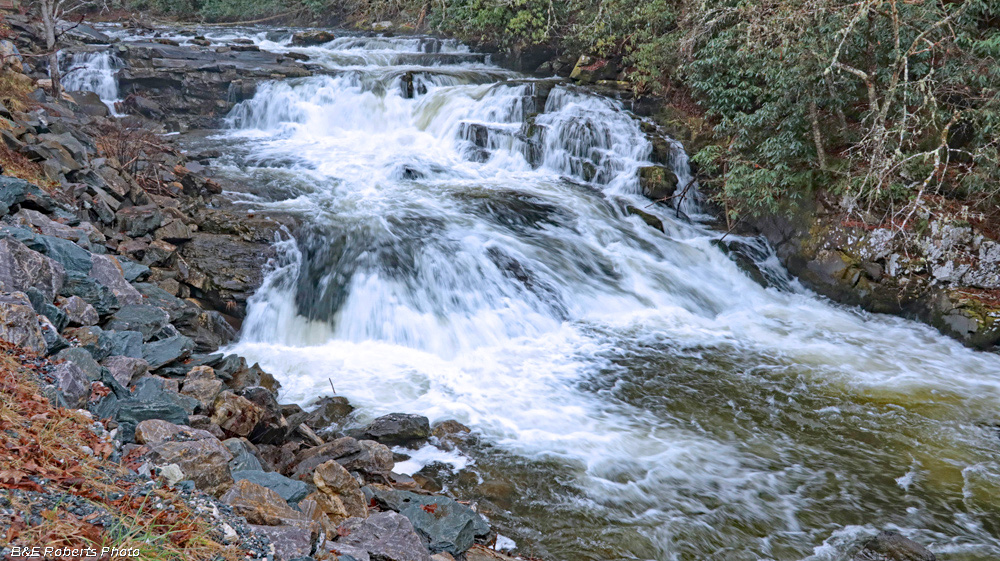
{"type": "Point", "coordinates": [891, 546]}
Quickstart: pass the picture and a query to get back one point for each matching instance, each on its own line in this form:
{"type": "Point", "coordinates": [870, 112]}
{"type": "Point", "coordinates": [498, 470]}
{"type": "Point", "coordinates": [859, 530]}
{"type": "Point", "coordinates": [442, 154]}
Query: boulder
{"type": "Point", "coordinates": [165, 351]}
{"type": "Point", "coordinates": [245, 455]}
{"type": "Point", "coordinates": [72, 383]}
{"type": "Point", "coordinates": [657, 182]}
{"type": "Point", "coordinates": [22, 268]}
{"type": "Point", "coordinates": [445, 524]}
{"type": "Point", "coordinates": [291, 543]}
{"type": "Point", "coordinates": [156, 431]}
{"type": "Point", "coordinates": [17, 193]}
{"type": "Point", "coordinates": [18, 324]}
{"type": "Point", "coordinates": [334, 481]}
{"type": "Point", "coordinates": [312, 37]}
{"type": "Point", "coordinates": [147, 320]}
{"type": "Point", "coordinates": [200, 383]}
{"type": "Point", "coordinates": [73, 258]}
{"type": "Point", "coordinates": [397, 428]}
{"type": "Point", "coordinates": [82, 359]}
{"type": "Point", "coordinates": [125, 368]}
{"type": "Point", "coordinates": [139, 220]}
{"type": "Point", "coordinates": [205, 462]}
{"type": "Point", "coordinates": [290, 490]}
{"type": "Point", "coordinates": [589, 70]}
{"type": "Point", "coordinates": [236, 415]}
{"type": "Point", "coordinates": [93, 339]}
{"type": "Point", "coordinates": [891, 546]}
{"type": "Point", "coordinates": [173, 232]}
{"type": "Point", "coordinates": [329, 412]}
{"type": "Point", "coordinates": [260, 505]}
{"type": "Point", "coordinates": [107, 271]}
{"type": "Point", "coordinates": [78, 312]}
{"type": "Point", "coordinates": [96, 294]}
{"type": "Point", "coordinates": [90, 103]}
{"type": "Point", "coordinates": [386, 536]}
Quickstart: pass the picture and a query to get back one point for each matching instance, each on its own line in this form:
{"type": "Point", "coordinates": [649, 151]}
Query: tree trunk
{"type": "Point", "coordinates": [817, 135]}
{"type": "Point", "coordinates": [48, 16]}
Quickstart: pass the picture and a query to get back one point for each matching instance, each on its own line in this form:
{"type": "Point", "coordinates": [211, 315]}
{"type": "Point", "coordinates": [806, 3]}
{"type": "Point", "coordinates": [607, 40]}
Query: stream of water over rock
{"type": "Point", "coordinates": [633, 393]}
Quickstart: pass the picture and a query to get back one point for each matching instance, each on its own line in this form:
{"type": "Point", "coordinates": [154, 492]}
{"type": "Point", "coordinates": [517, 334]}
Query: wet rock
{"type": "Point", "coordinates": [22, 268]}
{"type": "Point", "coordinates": [657, 182]}
{"type": "Point", "coordinates": [201, 384]}
{"type": "Point", "coordinates": [206, 462]}
{"type": "Point", "coordinates": [369, 458]}
{"type": "Point", "coordinates": [261, 505]}
{"type": "Point", "coordinates": [139, 220]}
{"type": "Point", "coordinates": [396, 428]}
{"type": "Point", "coordinates": [290, 490]}
{"type": "Point", "coordinates": [72, 383]}
{"type": "Point", "coordinates": [891, 546]}
{"type": "Point", "coordinates": [589, 70]}
{"type": "Point", "coordinates": [649, 219]}
{"type": "Point", "coordinates": [314, 37]}
{"type": "Point", "coordinates": [447, 525]}
{"type": "Point", "coordinates": [18, 324]}
{"type": "Point", "coordinates": [385, 536]}
{"type": "Point", "coordinates": [125, 368]}
{"type": "Point", "coordinates": [165, 351]}
{"type": "Point", "coordinates": [272, 426]}
{"type": "Point", "coordinates": [329, 412]}
{"type": "Point", "coordinates": [147, 320]}
{"type": "Point", "coordinates": [223, 267]}
{"type": "Point", "coordinates": [334, 481]}
{"type": "Point", "coordinates": [78, 311]}
{"type": "Point", "coordinates": [236, 415]}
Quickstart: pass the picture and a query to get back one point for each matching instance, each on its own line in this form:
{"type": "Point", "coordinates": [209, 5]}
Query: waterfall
{"type": "Point", "coordinates": [93, 72]}
{"type": "Point", "coordinates": [468, 248]}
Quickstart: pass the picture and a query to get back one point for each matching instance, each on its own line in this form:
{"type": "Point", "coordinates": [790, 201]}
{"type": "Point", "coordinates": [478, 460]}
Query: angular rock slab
{"type": "Point", "coordinates": [386, 536]}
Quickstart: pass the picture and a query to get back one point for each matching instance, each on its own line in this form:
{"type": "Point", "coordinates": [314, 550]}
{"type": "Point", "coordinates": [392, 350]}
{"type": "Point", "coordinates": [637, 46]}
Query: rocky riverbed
{"type": "Point", "coordinates": [129, 268]}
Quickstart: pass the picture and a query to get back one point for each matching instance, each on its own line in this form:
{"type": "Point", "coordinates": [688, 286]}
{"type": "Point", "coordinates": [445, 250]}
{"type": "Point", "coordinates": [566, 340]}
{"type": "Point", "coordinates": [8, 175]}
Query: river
{"type": "Point", "coordinates": [633, 393]}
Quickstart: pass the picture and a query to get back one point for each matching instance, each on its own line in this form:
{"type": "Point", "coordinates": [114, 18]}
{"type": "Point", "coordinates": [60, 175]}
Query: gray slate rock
{"type": "Point", "coordinates": [22, 268]}
{"type": "Point", "coordinates": [396, 428]}
{"type": "Point", "coordinates": [72, 257]}
{"type": "Point", "coordinates": [125, 368]}
{"type": "Point", "coordinates": [165, 351]}
{"type": "Point", "coordinates": [386, 536]}
{"type": "Point", "coordinates": [290, 542]}
{"type": "Point", "coordinates": [244, 459]}
{"type": "Point", "coordinates": [450, 526]}
{"type": "Point", "coordinates": [83, 360]}
{"type": "Point", "coordinates": [291, 490]}
{"type": "Point", "coordinates": [96, 294]}
{"type": "Point", "coordinates": [72, 383]}
{"type": "Point", "coordinates": [18, 324]}
{"type": "Point", "coordinates": [147, 320]}
{"type": "Point", "coordinates": [78, 312]}
{"type": "Point", "coordinates": [18, 193]}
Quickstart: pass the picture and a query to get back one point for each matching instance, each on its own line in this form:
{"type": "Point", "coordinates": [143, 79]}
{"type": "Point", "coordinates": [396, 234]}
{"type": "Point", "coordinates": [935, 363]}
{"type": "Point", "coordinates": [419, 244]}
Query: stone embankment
{"type": "Point", "coordinates": [124, 270]}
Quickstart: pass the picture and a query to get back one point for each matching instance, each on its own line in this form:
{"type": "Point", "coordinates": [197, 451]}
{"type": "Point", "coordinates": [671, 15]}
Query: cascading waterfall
{"type": "Point", "coordinates": [467, 251]}
{"type": "Point", "coordinates": [93, 72]}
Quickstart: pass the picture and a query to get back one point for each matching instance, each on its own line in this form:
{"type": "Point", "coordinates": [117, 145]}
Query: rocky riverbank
{"type": "Point", "coordinates": [124, 269]}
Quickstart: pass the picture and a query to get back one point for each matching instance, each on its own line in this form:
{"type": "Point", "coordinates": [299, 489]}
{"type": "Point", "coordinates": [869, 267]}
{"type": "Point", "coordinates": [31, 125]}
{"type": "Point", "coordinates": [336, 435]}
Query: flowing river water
{"type": "Point", "coordinates": [633, 393]}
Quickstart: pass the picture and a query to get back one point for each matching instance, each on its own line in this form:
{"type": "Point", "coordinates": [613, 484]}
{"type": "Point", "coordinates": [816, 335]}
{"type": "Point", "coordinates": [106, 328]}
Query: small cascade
{"type": "Point", "coordinates": [93, 72]}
